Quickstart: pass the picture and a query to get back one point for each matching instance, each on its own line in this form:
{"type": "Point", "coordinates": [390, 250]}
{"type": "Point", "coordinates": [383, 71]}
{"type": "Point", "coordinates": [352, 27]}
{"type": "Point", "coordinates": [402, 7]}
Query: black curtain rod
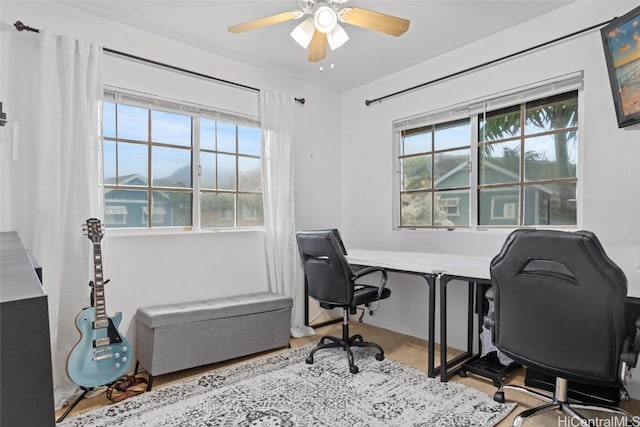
{"type": "Point", "coordinates": [485, 64]}
{"type": "Point", "coordinates": [21, 27]}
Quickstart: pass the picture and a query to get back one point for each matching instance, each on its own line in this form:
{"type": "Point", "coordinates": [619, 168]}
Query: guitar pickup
{"type": "Point", "coordinates": [98, 324]}
{"type": "Point", "coordinates": [100, 342]}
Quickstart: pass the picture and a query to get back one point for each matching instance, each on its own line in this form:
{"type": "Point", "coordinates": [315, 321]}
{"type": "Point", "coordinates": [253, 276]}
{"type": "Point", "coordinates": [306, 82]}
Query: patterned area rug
{"type": "Point", "coordinates": [283, 390]}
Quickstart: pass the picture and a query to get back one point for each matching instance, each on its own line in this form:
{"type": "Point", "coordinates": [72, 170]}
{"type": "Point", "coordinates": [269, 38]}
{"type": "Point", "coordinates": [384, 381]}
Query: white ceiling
{"type": "Point", "coordinates": [436, 28]}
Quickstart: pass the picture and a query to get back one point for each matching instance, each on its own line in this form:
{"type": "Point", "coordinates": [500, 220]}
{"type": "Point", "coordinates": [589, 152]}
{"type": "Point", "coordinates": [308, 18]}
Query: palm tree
{"type": "Point", "coordinates": [558, 112]}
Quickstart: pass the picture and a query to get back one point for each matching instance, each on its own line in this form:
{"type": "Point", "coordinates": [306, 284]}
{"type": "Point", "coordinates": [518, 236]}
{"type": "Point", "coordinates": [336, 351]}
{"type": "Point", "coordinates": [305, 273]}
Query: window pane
{"type": "Point", "coordinates": [226, 172]}
{"type": "Point", "coordinates": [454, 134]}
{"type": "Point", "coordinates": [415, 209]}
{"type": "Point", "coordinates": [499, 162]}
{"type": "Point", "coordinates": [557, 112]}
{"type": "Point", "coordinates": [133, 164]}
{"type": "Point", "coordinates": [109, 119]}
{"type": "Point", "coordinates": [249, 140]}
{"type": "Point", "coordinates": [171, 167]}
{"type": "Point", "coordinates": [133, 122]}
{"type": "Point", "coordinates": [109, 161]}
{"type": "Point", "coordinates": [416, 172]}
{"type": "Point", "coordinates": [499, 124]}
{"type": "Point", "coordinates": [218, 210]}
{"type": "Point", "coordinates": [171, 208]}
{"type": "Point", "coordinates": [416, 142]}
{"type": "Point", "coordinates": [551, 156]}
{"type": "Point", "coordinates": [499, 206]}
{"type": "Point", "coordinates": [452, 208]}
{"type": "Point", "coordinates": [226, 133]}
{"type": "Point", "coordinates": [208, 174]}
{"type": "Point", "coordinates": [553, 204]}
{"type": "Point", "coordinates": [207, 134]}
{"type": "Point", "coordinates": [170, 128]}
{"type": "Point", "coordinates": [452, 169]}
{"type": "Point", "coordinates": [250, 210]}
{"type": "Point", "coordinates": [249, 174]}
{"type": "Point", "coordinates": [125, 208]}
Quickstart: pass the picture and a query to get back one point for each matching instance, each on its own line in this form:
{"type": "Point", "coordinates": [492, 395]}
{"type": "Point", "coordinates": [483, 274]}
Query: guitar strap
{"type": "Point", "coordinates": [126, 387]}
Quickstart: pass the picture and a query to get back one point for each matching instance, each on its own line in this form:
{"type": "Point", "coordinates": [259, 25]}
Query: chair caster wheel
{"type": "Point", "coordinates": [309, 360]}
{"type": "Point", "coordinates": [354, 369]}
{"type": "Point", "coordinates": [379, 356]}
{"type": "Point", "coordinates": [498, 396]}
{"type": "Point", "coordinates": [463, 374]}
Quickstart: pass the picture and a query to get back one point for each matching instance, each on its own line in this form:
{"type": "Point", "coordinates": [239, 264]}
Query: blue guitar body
{"type": "Point", "coordinates": [102, 355]}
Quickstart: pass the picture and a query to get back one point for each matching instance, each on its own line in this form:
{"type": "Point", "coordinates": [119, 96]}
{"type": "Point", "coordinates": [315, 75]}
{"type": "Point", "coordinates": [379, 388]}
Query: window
{"type": "Point", "coordinates": [528, 157]}
{"type": "Point", "coordinates": [434, 164]}
{"type": "Point", "coordinates": [115, 214]}
{"type": "Point", "coordinates": [515, 165]}
{"type": "Point", "coordinates": [168, 165]}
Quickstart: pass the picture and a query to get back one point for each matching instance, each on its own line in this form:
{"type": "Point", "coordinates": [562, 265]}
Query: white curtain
{"type": "Point", "coordinates": [58, 175]}
{"type": "Point", "coordinates": [277, 115]}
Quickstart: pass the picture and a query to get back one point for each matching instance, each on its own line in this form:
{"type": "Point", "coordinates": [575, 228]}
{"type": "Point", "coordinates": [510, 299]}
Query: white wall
{"type": "Point", "coordinates": [609, 181]}
{"type": "Point", "coordinates": [154, 269]}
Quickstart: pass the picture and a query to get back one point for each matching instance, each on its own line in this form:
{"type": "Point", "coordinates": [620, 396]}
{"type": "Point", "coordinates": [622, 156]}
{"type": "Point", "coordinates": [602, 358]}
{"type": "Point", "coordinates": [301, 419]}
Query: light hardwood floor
{"type": "Point", "coordinates": [403, 348]}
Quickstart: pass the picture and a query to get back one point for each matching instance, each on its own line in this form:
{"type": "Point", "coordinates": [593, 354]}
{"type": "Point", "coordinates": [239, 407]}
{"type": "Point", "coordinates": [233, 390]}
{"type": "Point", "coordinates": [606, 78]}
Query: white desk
{"type": "Point", "coordinates": [430, 266]}
{"type": "Point", "coordinates": [423, 262]}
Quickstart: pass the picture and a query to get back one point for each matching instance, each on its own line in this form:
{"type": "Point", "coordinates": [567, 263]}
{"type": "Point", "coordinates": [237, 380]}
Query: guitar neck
{"type": "Point", "coordinates": [98, 286]}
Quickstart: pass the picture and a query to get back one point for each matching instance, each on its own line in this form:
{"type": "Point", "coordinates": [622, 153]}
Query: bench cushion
{"type": "Point", "coordinates": [218, 308]}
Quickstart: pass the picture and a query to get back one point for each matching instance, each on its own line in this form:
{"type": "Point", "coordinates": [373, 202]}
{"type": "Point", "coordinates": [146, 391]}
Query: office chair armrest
{"type": "Point", "coordinates": [630, 355]}
{"type": "Point", "coordinates": [369, 270]}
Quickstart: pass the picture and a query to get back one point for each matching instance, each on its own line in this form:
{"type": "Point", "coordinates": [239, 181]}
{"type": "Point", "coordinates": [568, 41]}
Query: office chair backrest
{"type": "Point", "coordinates": [329, 275]}
{"type": "Point", "coordinates": [559, 304]}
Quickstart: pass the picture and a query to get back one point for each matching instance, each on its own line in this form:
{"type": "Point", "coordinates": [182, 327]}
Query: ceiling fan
{"type": "Point", "coordinates": [321, 28]}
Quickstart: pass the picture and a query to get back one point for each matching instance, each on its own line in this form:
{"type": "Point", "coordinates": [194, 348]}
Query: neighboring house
{"type": "Point", "coordinates": [129, 207]}
{"type": "Point", "coordinates": [502, 205]}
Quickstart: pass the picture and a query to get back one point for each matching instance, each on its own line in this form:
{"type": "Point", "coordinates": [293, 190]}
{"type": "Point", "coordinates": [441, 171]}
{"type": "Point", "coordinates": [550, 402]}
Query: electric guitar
{"type": "Point", "coordinates": [102, 355]}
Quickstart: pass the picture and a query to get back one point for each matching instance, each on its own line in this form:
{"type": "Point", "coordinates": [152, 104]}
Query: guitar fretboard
{"type": "Point", "coordinates": [98, 285]}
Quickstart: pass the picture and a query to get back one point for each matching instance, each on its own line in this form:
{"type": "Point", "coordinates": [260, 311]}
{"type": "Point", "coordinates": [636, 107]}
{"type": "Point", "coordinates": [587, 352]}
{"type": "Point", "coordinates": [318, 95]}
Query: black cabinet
{"type": "Point", "coordinates": [26, 388]}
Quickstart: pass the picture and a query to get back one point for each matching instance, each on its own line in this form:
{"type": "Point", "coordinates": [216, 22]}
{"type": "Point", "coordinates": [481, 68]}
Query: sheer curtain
{"type": "Point", "coordinates": [277, 115]}
{"type": "Point", "coordinates": [57, 175]}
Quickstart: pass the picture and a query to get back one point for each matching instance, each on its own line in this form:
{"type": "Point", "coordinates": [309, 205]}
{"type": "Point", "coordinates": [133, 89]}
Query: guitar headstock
{"type": "Point", "coordinates": [93, 228]}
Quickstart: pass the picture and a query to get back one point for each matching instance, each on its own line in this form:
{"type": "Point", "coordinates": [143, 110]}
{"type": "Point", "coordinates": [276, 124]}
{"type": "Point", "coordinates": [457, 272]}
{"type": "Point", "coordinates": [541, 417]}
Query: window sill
{"type": "Point", "coordinates": [172, 231]}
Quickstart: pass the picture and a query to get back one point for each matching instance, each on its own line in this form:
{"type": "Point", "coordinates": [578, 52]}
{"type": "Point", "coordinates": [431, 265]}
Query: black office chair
{"type": "Point", "coordinates": [558, 306]}
{"type": "Point", "coordinates": [331, 282]}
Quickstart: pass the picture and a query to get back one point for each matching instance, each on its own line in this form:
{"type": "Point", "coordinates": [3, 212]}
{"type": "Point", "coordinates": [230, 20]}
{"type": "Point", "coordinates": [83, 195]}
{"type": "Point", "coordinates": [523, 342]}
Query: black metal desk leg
{"type": "Point", "coordinates": [443, 330]}
{"type": "Point", "coordinates": [306, 301]}
{"type": "Point", "coordinates": [431, 372]}
{"type": "Point", "coordinates": [470, 310]}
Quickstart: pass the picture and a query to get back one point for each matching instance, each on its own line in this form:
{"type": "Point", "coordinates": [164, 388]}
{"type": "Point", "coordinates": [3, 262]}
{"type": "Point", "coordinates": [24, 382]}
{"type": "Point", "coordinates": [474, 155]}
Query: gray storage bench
{"type": "Point", "coordinates": [173, 337]}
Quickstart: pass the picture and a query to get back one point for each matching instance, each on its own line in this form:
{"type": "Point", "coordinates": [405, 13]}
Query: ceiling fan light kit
{"type": "Point", "coordinates": [325, 19]}
{"type": "Point", "coordinates": [322, 29]}
{"type": "Point", "coordinates": [303, 33]}
{"type": "Point", "coordinates": [337, 37]}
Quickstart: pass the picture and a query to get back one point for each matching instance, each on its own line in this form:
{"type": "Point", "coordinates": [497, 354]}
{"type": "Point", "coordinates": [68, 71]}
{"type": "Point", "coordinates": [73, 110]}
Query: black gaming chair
{"type": "Point", "coordinates": [557, 305]}
{"type": "Point", "coordinates": [332, 283]}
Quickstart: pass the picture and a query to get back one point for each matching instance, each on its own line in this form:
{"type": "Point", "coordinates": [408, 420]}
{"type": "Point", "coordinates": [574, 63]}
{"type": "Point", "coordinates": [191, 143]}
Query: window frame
{"type": "Point", "coordinates": [432, 191]}
{"type": "Point", "coordinates": [519, 96]}
{"type": "Point", "coordinates": [196, 113]}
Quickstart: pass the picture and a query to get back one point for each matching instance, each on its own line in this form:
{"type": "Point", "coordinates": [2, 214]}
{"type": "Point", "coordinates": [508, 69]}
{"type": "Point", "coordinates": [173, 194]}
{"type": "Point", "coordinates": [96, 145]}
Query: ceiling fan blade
{"type": "Point", "coordinates": [376, 21]}
{"type": "Point", "coordinates": [263, 22]}
{"type": "Point", "coordinates": [318, 46]}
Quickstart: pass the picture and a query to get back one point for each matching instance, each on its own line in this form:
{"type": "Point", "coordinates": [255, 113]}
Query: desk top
{"type": "Point", "coordinates": [423, 262]}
